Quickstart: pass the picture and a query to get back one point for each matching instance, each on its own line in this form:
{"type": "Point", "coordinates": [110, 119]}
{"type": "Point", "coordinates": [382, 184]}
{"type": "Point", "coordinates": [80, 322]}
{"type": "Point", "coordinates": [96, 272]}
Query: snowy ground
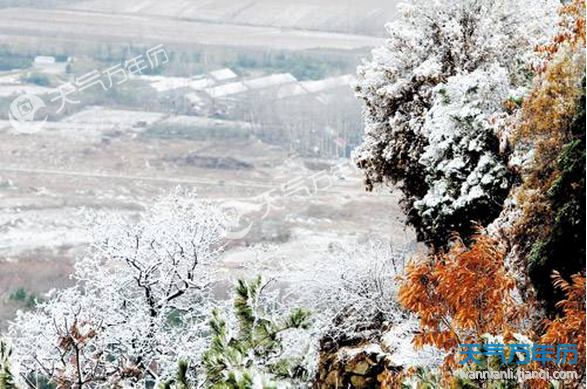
{"type": "Point", "coordinates": [323, 15]}
{"type": "Point", "coordinates": [33, 26]}
{"type": "Point", "coordinates": [49, 179]}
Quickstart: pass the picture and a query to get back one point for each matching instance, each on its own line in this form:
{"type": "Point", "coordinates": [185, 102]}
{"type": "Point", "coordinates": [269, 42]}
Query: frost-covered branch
{"type": "Point", "coordinates": [140, 302]}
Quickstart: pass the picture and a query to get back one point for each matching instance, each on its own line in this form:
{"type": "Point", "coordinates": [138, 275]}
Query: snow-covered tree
{"type": "Point", "coordinates": [466, 176]}
{"type": "Point", "coordinates": [350, 287]}
{"type": "Point", "coordinates": [357, 288]}
{"type": "Point", "coordinates": [432, 99]}
{"type": "Point", "coordinates": [352, 292]}
{"type": "Point", "coordinates": [140, 303]}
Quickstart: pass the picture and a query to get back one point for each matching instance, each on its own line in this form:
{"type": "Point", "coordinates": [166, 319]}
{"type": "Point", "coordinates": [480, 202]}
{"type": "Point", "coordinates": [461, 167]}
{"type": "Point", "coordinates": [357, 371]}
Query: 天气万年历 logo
{"type": "Point", "coordinates": [538, 352]}
{"type": "Point", "coordinates": [22, 114]}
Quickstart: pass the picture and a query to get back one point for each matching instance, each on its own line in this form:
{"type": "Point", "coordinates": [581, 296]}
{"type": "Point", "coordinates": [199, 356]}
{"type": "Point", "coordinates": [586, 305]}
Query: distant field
{"type": "Point", "coordinates": [119, 149]}
{"type": "Point", "coordinates": [365, 17]}
{"type": "Point", "coordinates": [36, 26]}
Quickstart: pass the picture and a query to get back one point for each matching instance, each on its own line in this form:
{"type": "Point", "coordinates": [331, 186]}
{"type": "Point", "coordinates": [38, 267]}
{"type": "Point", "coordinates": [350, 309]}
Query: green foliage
{"type": "Point", "coordinates": [6, 378]}
{"type": "Point", "coordinates": [513, 103]}
{"type": "Point", "coordinates": [564, 249]}
{"type": "Point", "coordinates": [35, 78]}
{"type": "Point", "coordinates": [302, 66]}
{"type": "Point", "coordinates": [11, 62]}
{"type": "Point", "coordinates": [19, 295]}
{"type": "Point", "coordinates": [252, 355]}
{"type": "Point", "coordinates": [28, 299]}
{"type": "Point", "coordinates": [187, 132]}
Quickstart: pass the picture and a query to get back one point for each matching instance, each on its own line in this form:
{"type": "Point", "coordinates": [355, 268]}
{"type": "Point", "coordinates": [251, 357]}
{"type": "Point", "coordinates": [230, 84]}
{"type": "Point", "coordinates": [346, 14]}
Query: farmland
{"type": "Point", "coordinates": [28, 27]}
{"type": "Point", "coordinates": [50, 180]}
{"type": "Point", "coordinates": [293, 115]}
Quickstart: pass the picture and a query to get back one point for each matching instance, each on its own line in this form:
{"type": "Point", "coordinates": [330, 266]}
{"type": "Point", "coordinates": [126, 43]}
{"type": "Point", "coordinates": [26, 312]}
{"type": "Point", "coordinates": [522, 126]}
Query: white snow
{"type": "Point", "coordinates": [271, 80]}
{"type": "Point", "coordinates": [328, 83]}
{"type": "Point", "coordinates": [226, 89]}
{"type": "Point", "coordinates": [223, 74]}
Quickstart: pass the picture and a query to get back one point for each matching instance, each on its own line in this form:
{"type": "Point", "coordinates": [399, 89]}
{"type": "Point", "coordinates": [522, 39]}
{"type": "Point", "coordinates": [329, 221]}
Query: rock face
{"type": "Point", "coordinates": [359, 358]}
{"type": "Point", "coordinates": [362, 366]}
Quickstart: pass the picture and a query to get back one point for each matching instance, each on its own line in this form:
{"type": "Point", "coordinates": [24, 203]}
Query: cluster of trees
{"type": "Point", "coordinates": [480, 123]}
{"type": "Point", "coordinates": [475, 111]}
{"type": "Point", "coordinates": [142, 312]}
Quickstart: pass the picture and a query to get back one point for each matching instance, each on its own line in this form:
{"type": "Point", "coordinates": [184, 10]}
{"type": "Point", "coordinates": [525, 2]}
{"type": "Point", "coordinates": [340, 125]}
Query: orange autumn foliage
{"type": "Point", "coordinates": [547, 114]}
{"type": "Point", "coordinates": [544, 128]}
{"type": "Point", "coordinates": [571, 29]}
{"type": "Point", "coordinates": [569, 328]}
{"type": "Point", "coordinates": [551, 105]}
{"type": "Point", "coordinates": [460, 295]}
{"type": "Point", "coordinates": [544, 125]}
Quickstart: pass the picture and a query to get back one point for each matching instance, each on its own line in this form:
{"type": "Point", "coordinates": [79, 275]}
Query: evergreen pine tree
{"type": "Point", "coordinates": [181, 380]}
{"type": "Point", "coordinates": [251, 356]}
